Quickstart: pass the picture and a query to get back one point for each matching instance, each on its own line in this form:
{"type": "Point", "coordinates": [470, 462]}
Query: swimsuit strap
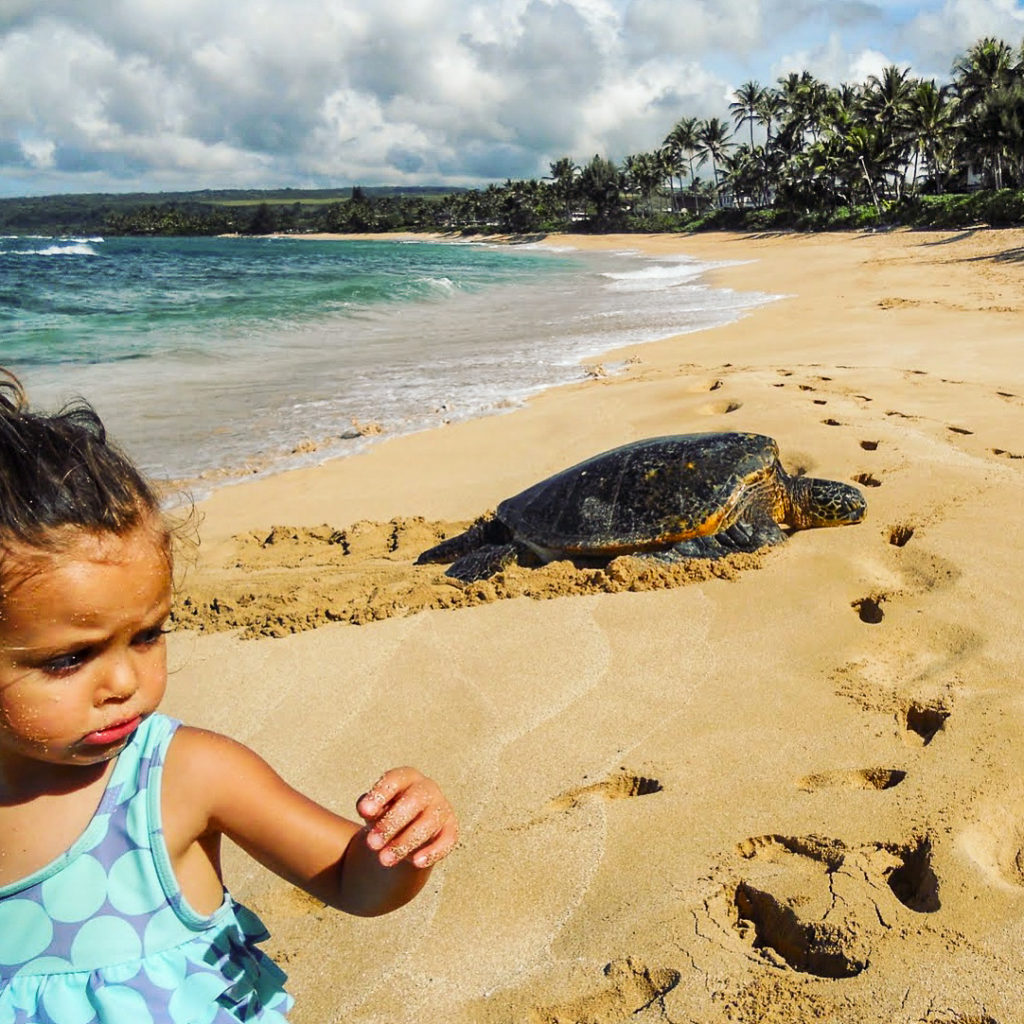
{"type": "Point", "coordinates": [90, 906]}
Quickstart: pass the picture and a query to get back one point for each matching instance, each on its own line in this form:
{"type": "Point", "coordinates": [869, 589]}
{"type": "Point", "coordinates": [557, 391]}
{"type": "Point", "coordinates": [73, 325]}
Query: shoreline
{"type": "Point", "coordinates": [569, 320]}
{"type": "Point", "coordinates": [786, 792]}
{"type": "Point", "coordinates": [563, 360]}
{"type": "Point", "coordinates": [657, 360]}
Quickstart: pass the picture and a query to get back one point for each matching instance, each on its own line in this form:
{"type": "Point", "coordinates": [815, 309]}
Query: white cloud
{"type": "Point", "coordinates": [124, 94]}
{"type": "Point", "coordinates": [832, 62]}
{"type": "Point", "coordinates": [39, 152]}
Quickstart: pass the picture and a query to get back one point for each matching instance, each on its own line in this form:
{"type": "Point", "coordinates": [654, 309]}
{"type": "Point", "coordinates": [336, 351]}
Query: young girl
{"type": "Point", "coordinates": [112, 907]}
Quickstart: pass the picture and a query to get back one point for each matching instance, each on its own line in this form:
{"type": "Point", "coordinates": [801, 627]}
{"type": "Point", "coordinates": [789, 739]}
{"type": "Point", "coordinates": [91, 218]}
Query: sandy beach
{"type": "Point", "coordinates": [785, 788]}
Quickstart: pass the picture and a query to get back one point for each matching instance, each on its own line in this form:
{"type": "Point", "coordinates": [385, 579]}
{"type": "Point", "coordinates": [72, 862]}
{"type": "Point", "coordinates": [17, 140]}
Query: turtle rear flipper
{"type": "Point", "coordinates": [482, 562]}
{"type": "Point", "coordinates": [486, 530]}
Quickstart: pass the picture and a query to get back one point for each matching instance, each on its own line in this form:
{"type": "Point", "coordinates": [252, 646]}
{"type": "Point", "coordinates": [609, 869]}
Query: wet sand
{"type": "Point", "coordinates": [780, 789]}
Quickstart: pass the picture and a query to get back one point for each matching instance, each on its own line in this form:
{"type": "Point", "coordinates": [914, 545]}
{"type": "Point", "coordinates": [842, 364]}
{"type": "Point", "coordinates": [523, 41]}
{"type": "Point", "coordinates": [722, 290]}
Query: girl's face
{"type": "Point", "coordinates": [82, 653]}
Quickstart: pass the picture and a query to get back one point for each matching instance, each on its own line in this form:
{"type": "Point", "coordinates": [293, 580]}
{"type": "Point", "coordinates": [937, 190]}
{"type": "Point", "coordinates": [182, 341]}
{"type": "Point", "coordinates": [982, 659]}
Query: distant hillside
{"type": "Point", "coordinates": [201, 212]}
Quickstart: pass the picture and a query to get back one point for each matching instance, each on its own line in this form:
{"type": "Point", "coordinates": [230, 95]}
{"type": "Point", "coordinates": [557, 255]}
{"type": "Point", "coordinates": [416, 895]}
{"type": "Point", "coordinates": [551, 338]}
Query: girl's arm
{"type": "Point", "coordinates": [213, 785]}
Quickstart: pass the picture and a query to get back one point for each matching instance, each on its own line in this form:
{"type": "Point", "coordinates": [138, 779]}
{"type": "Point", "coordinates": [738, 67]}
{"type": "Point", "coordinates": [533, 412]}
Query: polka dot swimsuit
{"type": "Point", "coordinates": [103, 935]}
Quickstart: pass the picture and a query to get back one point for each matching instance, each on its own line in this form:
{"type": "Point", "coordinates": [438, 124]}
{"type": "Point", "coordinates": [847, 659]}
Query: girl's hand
{"type": "Point", "coordinates": [408, 818]}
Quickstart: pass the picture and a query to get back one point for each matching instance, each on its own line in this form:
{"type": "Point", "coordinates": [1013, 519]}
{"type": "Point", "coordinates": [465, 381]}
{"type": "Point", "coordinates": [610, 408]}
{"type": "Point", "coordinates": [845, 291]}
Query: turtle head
{"type": "Point", "coordinates": [816, 502]}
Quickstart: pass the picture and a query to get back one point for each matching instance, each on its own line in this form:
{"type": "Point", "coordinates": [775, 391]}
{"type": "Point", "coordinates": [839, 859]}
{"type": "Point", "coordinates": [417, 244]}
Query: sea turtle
{"type": "Point", "coordinates": [672, 498]}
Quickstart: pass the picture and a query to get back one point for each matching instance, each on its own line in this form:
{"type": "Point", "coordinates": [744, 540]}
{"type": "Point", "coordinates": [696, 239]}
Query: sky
{"type": "Point", "coordinates": [168, 95]}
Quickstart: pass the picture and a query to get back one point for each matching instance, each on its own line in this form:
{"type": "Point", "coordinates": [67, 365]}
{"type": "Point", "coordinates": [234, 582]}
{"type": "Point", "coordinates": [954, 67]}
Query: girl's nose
{"type": "Point", "coordinates": [119, 681]}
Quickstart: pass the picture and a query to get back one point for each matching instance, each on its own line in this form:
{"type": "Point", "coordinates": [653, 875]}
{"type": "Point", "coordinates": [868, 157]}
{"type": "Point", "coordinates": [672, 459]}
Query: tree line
{"type": "Point", "coordinates": [895, 148]}
{"type": "Point", "coordinates": [799, 153]}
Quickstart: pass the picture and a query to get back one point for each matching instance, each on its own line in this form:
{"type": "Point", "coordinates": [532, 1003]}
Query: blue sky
{"type": "Point", "coordinates": [133, 95]}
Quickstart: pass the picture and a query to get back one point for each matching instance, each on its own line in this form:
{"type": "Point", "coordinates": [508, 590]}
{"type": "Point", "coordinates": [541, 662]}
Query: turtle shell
{"type": "Point", "coordinates": [644, 495]}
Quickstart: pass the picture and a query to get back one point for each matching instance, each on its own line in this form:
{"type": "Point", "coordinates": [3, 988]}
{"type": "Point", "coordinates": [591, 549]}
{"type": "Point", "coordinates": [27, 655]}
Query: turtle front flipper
{"type": "Point", "coordinates": [482, 562]}
{"type": "Point", "coordinates": [748, 536]}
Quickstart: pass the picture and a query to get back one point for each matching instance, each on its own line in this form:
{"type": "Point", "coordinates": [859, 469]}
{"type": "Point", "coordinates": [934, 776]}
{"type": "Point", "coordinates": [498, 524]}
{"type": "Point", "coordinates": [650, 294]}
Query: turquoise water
{"type": "Point", "coordinates": [223, 357]}
{"type": "Point", "coordinates": [96, 300]}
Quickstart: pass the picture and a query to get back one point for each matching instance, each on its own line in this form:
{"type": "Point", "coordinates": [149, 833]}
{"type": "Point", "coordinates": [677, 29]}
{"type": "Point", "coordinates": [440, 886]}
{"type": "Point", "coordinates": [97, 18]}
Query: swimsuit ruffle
{"type": "Point", "coordinates": [218, 978]}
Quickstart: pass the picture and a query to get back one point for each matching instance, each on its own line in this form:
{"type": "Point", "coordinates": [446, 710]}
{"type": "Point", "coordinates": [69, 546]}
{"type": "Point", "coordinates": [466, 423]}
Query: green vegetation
{"type": "Point", "coordinates": [210, 212]}
{"type": "Point", "coordinates": [891, 150]}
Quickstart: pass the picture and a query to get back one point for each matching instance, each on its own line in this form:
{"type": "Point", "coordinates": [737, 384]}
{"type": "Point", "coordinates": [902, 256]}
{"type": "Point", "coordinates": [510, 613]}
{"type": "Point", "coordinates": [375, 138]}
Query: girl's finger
{"type": "Point", "coordinates": [399, 814]}
{"type": "Point", "coordinates": [372, 803]}
{"type": "Point", "coordinates": [425, 840]}
{"type": "Point", "coordinates": [442, 845]}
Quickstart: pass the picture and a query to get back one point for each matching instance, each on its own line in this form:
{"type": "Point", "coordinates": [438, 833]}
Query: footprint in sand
{"type": "Point", "coordinates": [719, 408]}
{"type": "Point", "coordinates": [629, 988]}
{"type": "Point", "coordinates": [911, 877]}
{"type": "Point", "coordinates": [868, 480]}
{"type": "Point", "coordinates": [869, 608]}
{"type": "Point", "coordinates": [918, 721]}
{"type": "Point", "coordinates": [1003, 453]}
{"type": "Point", "coordinates": [919, 569]}
{"type": "Point", "coordinates": [706, 385]}
{"type": "Point", "coordinates": [831, 422]}
{"type": "Point", "coordinates": [900, 534]}
{"type": "Point", "coordinates": [853, 778]}
{"type": "Point", "coordinates": [869, 446]}
{"type": "Point", "coordinates": [619, 786]}
{"type": "Point", "coordinates": [783, 904]}
{"type": "Point", "coordinates": [811, 904]}
{"type": "Point", "coordinates": [921, 721]}
{"type": "Point", "coordinates": [959, 430]}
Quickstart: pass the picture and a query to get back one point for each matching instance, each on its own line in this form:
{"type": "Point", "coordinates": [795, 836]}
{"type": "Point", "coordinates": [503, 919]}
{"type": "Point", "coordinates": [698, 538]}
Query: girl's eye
{"type": "Point", "coordinates": [148, 637]}
{"type": "Point", "coordinates": [65, 664]}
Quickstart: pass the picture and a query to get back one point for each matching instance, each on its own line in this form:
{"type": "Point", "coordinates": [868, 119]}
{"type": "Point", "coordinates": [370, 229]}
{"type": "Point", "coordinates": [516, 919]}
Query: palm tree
{"type": "Point", "coordinates": [931, 121]}
{"type": "Point", "coordinates": [645, 172]}
{"type": "Point", "coordinates": [886, 101]}
{"type": "Point", "coordinates": [995, 131]}
{"type": "Point", "coordinates": [987, 66]}
{"type": "Point", "coordinates": [804, 99]}
{"type": "Point", "coordinates": [564, 175]}
{"type": "Point", "coordinates": [713, 143]}
{"type": "Point", "coordinates": [770, 110]}
{"type": "Point", "coordinates": [744, 172]}
{"type": "Point", "coordinates": [987, 69]}
{"type": "Point", "coordinates": [865, 149]}
{"type": "Point", "coordinates": [747, 105]}
{"type": "Point", "coordinates": [601, 183]}
{"type": "Point", "coordinates": [685, 139]}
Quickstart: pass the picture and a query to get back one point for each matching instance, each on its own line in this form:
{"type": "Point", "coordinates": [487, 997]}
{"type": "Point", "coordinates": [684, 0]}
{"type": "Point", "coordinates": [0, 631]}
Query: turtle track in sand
{"type": "Point", "coordinates": [292, 578]}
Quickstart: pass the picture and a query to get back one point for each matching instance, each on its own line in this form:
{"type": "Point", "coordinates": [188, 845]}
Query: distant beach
{"type": "Point", "coordinates": [788, 790]}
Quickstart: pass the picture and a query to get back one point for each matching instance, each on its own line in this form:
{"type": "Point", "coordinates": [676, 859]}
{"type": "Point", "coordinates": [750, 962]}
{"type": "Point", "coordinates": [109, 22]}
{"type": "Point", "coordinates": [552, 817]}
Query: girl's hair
{"type": "Point", "coordinates": [60, 470]}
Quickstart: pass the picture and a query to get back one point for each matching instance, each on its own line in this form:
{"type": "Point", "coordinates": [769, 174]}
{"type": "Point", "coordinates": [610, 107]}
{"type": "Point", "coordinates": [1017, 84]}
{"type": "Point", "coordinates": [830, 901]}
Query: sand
{"type": "Point", "coordinates": [783, 790]}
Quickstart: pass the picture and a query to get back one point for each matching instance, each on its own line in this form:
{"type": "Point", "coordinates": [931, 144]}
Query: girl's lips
{"type": "Point", "coordinates": [112, 734]}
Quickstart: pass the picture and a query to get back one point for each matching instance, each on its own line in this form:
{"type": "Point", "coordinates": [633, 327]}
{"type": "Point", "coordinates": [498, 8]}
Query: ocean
{"type": "Point", "coordinates": [214, 359]}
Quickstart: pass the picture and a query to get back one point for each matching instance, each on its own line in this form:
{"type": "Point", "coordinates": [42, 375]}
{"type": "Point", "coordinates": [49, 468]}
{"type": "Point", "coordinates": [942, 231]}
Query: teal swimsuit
{"type": "Point", "coordinates": [103, 935]}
